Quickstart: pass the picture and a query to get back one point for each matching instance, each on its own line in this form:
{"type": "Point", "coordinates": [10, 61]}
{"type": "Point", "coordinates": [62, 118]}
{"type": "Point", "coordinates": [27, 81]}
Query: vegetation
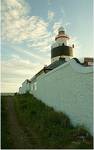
{"type": "Point", "coordinates": [6, 141]}
{"type": "Point", "coordinates": [44, 127]}
{"type": "Point", "coordinates": [47, 128]}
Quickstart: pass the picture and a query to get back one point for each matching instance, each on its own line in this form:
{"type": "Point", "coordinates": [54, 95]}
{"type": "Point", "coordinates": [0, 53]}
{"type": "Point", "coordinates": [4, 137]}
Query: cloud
{"type": "Point", "coordinates": [41, 56]}
{"type": "Point", "coordinates": [63, 11]}
{"type": "Point", "coordinates": [33, 32]}
{"type": "Point", "coordinates": [10, 87]}
{"type": "Point", "coordinates": [17, 27]}
{"type": "Point", "coordinates": [50, 1]}
{"type": "Point", "coordinates": [77, 46]}
{"type": "Point", "coordinates": [16, 70]}
{"type": "Point", "coordinates": [56, 25]}
{"type": "Point", "coordinates": [51, 15]}
{"type": "Point", "coordinates": [67, 24]}
{"type": "Point", "coordinates": [12, 11]}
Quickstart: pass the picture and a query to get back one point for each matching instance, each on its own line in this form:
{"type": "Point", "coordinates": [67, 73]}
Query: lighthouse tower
{"type": "Point", "coordinates": [60, 48]}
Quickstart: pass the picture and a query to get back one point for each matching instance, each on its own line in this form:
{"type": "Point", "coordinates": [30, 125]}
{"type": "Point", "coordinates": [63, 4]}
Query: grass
{"type": "Point", "coordinates": [48, 128]}
{"type": "Point", "coordinates": [6, 141]}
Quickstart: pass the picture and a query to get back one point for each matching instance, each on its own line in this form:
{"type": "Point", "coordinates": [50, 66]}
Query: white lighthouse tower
{"type": "Point", "coordinates": [60, 47]}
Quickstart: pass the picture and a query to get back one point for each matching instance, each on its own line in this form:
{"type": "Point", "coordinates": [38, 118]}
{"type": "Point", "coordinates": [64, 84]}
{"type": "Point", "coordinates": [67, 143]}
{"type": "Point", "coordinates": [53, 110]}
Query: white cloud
{"type": "Point", "coordinates": [67, 24]}
{"type": "Point", "coordinates": [51, 15]}
{"type": "Point", "coordinates": [15, 71]}
{"type": "Point", "coordinates": [17, 28]}
{"type": "Point", "coordinates": [77, 46]}
{"type": "Point", "coordinates": [56, 26]}
{"type": "Point", "coordinates": [10, 87]}
{"type": "Point", "coordinates": [63, 11]}
{"type": "Point", "coordinates": [50, 2]}
{"type": "Point", "coordinates": [35, 55]}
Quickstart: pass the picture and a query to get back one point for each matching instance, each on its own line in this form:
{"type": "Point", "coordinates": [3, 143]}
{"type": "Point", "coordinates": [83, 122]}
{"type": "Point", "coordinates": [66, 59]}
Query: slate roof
{"type": "Point", "coordinates": [56, 63]}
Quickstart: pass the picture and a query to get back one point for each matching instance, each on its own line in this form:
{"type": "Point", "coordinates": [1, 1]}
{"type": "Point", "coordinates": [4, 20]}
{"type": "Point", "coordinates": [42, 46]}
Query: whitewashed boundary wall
{"type": "Point", "coordinates": [68, 88]}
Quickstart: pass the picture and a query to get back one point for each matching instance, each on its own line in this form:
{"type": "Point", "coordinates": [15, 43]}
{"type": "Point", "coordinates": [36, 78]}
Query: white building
{"type": "Point", "coordinates": [66, 84]}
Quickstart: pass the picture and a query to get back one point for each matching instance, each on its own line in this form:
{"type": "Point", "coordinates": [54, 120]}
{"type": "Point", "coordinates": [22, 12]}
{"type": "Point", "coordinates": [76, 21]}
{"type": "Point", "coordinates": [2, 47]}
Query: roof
{"type": "Point", "coordinates": [61, 29]}
{"type": "Point", "coordinates": [56, 63]}
{"type": "Point", "coordinates": [73, 62]}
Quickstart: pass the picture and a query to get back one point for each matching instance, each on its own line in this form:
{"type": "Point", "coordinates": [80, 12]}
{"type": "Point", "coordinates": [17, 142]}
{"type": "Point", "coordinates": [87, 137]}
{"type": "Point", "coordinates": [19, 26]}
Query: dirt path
{"type": "Point", "coordinates": [19, 137]}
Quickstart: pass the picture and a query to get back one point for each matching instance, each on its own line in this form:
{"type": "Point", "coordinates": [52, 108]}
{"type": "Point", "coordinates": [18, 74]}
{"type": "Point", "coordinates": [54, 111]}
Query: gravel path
{"type": "Point", "coordinates": [19, 137]}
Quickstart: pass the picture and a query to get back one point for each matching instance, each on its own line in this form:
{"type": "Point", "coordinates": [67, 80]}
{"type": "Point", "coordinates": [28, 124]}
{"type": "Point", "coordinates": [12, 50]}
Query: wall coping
{"type": "Point", "coordinates": [74, 65]}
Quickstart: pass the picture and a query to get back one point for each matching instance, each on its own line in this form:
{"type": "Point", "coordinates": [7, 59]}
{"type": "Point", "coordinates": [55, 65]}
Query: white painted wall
{"type": "Point", "coordinates": [69, 88]}
{"type": "Point", "coordinates": [25, 87]}
{"type": "Point", "coordinates": [58, 43]}
{"type": "Point", "coordinates": [67, 58]}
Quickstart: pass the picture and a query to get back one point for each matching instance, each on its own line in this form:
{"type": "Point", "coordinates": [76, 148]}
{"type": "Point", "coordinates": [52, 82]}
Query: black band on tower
{"type": "Point", "coordinates": [61, 50]}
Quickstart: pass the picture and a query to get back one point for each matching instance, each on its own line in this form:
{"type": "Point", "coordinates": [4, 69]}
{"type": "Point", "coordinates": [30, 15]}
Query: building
{"type": "Point", "coordinates": [25, 87]}
{"type": "Point", "coordinates": [66, 84]}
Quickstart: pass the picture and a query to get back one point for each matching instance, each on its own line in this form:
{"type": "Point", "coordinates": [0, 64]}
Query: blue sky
{"type": "Point", "coordinates": [29, 28]}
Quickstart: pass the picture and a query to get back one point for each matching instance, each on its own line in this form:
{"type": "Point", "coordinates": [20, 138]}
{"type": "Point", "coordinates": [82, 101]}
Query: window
{"type": "Point", "coordinates": [32, 87]}
{"type": "Point", "coordinates": [35, 86]}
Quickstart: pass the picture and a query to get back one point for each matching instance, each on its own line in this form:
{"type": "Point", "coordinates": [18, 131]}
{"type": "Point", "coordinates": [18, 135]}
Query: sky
{"type": "Point", "coordinates": [29, 28]}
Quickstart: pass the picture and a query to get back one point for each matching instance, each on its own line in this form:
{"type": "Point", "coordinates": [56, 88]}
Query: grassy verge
{"type": "Point", "coordinates": [6, 141]}
{"type": "Point", "coordinates": [48, 128]}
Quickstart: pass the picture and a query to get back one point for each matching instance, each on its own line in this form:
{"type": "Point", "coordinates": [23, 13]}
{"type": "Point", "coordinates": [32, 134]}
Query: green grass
{"type": "Point", "coordinates": [48, 128]}
{"type": "Point", "coordinates": [6, 141]}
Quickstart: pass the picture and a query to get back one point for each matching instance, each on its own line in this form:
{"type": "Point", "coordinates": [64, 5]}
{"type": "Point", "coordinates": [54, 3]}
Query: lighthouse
{"type": "Point", "coordinates": [60, 48]}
